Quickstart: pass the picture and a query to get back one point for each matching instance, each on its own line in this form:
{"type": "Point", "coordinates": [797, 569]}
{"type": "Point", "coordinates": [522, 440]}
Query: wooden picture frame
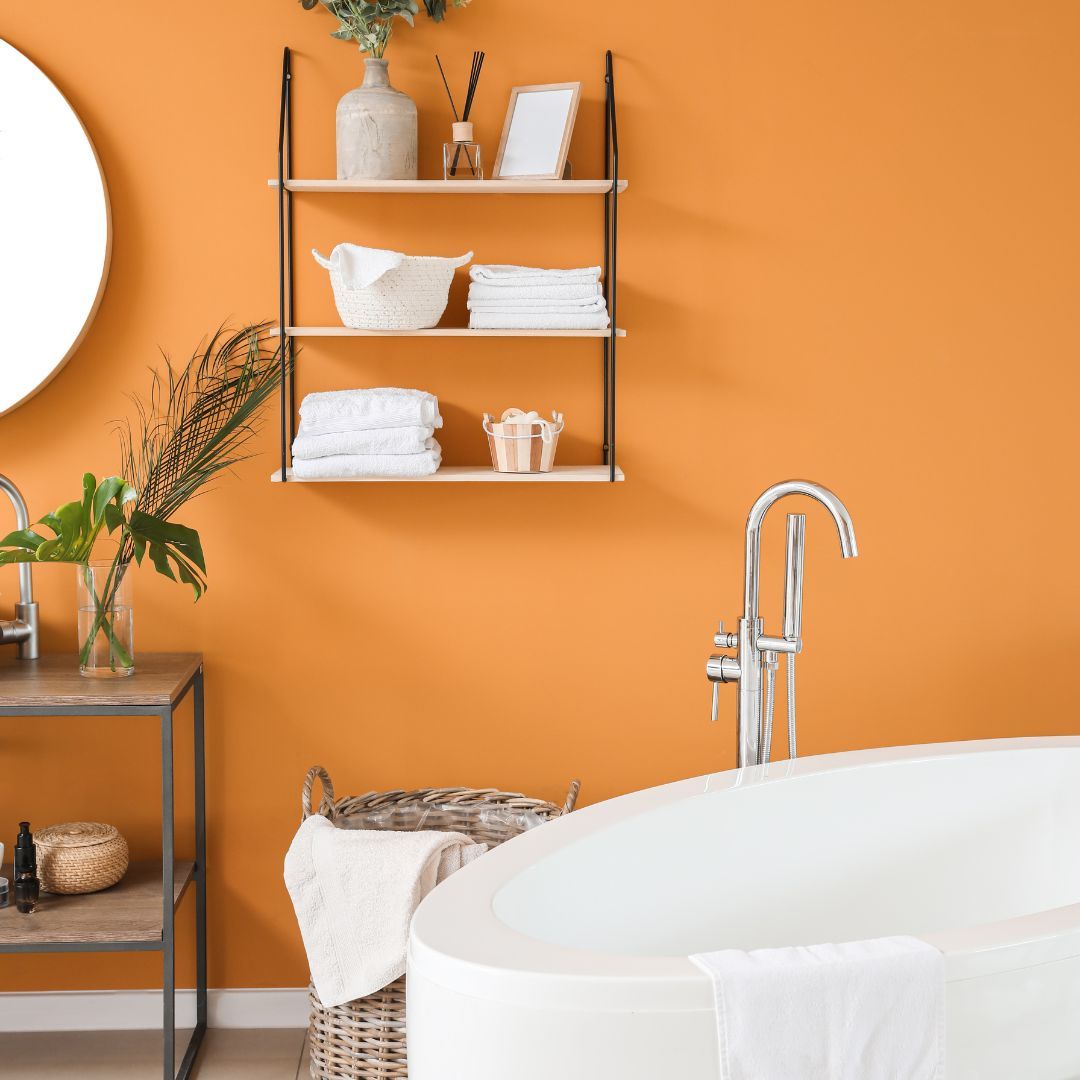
{"type": "Point", "coordinates": [541, 118]}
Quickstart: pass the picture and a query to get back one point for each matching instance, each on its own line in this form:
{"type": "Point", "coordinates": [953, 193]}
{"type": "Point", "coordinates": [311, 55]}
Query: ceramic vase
{"type": "Point", "coordinates": [376, 129]}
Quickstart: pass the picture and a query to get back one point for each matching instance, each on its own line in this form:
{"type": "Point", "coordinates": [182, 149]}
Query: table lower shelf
{"type": "Point", "coordinates": [484, 474]}
{"type": "Point", "coordinates": [125, 917]}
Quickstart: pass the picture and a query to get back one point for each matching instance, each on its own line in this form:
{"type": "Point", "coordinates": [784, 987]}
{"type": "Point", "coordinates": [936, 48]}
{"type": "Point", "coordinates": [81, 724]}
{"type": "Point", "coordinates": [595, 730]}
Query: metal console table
{"type": "Point", "coordinates": [138, 914]}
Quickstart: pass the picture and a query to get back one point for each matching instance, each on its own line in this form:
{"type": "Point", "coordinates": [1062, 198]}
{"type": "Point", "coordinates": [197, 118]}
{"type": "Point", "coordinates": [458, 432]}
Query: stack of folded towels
{"type": "Point", "coordinates": [384, 432]}
{"type": "Point", "coordinates": [526, 298]}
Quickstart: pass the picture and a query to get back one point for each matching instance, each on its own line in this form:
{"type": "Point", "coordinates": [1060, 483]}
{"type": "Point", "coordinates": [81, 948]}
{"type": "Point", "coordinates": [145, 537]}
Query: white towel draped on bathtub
{"type": "Point", "coordinates": [865, 1010]}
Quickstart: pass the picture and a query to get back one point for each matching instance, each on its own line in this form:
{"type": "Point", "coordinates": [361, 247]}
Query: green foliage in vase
{"type": "Point", "coordinates": [195, 423]}
{"type": "Point", "coordinates": [370, 23]}
{"type": "Point", "coordinates": [109, 506]}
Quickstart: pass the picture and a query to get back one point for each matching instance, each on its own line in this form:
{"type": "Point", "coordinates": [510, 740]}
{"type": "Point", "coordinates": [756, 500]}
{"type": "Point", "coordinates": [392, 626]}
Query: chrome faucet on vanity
{"type": "Point", "coordinates": [755, 648]}
{"type": "Point", "coordinates": [22, 631]}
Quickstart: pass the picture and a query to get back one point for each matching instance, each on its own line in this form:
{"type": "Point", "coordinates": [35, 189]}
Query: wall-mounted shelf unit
{"type": "Point", "coordinates": [609, 187]}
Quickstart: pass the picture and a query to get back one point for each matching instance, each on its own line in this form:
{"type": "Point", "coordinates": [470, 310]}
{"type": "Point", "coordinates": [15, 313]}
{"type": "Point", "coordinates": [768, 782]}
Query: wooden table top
{"type": "Point", "coordinates": [54, 679]}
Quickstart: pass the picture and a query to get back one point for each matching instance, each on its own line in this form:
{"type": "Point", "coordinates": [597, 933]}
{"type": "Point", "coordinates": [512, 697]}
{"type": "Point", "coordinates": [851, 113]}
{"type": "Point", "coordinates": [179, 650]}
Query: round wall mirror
{"type": "Point", "coordinates": [55, 229]}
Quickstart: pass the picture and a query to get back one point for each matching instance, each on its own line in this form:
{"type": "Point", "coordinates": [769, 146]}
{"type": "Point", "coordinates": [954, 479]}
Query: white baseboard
{"type": "Point", "coordinates": [137, 1010]}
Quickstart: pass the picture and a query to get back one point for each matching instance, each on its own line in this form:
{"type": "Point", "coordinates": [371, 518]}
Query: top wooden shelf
{"type": "Point", "coordinates": [457, 187]}
{"type": "Point", "coordinates": [54, 681]}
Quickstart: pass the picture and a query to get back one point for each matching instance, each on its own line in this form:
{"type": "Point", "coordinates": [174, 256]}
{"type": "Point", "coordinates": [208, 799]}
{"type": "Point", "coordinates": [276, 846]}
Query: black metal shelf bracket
{"type": "Point", "coordinates": [611, 258]}
{"type": "Point", "coordinates": [286, 265]}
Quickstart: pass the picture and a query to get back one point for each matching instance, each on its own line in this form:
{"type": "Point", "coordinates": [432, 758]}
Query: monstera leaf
{"type": "Point", "coordinates": [108, 507]}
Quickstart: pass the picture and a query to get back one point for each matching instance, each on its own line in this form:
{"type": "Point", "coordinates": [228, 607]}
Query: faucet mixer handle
{"type": "Point", "coordinates": [724, 641]}
{"type": "Point", "coordinates": [793, 578]}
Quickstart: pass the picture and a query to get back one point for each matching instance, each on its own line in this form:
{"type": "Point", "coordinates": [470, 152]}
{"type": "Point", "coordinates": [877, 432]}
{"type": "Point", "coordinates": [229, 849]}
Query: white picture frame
{"type": "Point", "coordinates": [537, 131]}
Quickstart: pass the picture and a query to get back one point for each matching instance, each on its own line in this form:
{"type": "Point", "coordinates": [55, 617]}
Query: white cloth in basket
{"type": "Point", "coordinates": [391, 440]}
{"type": "Point", "coordinates": [359, 266]}
{"type": "Point", "coordinates": [355, 891]}
{"type": "Point", "coordinates": [361, 410]}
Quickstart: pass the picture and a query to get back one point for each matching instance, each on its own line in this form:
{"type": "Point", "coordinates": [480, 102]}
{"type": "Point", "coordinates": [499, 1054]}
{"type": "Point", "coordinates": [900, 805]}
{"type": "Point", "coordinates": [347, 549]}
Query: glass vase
{"type": "Point", "coordinates": [106, 622]}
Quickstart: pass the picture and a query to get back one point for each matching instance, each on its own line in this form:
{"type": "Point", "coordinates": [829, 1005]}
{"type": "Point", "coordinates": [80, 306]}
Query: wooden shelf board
{"type": "Point", "coordinates": [441, 331]}
{"type": "Point", "coordinates": [455, 187]}
{"type": "Point", "coordinates": [54, 679]}
{"type": "Point", "coordinates": [128, 913]}
{"type": "Point", "coordinates": [450, 474]}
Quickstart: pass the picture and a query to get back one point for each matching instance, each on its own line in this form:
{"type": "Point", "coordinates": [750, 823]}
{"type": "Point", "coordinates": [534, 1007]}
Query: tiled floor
{"type": "Point", "coordinates": [227, 1054]}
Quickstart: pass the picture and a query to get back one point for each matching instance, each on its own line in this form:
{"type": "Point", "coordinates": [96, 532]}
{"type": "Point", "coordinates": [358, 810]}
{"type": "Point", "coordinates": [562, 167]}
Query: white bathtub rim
{"type": "Point", "coordinates": [458, 942]}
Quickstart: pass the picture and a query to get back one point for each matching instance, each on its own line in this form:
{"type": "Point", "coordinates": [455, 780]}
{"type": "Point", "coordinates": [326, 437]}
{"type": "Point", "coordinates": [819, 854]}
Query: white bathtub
{"type": "Point", "coordinates": [562, 953]}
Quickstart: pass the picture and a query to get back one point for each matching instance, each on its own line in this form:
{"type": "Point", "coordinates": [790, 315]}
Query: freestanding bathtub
{"type": "Point", "coordinates": [563, 953]}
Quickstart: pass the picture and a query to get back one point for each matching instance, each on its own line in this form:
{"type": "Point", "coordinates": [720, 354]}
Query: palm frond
{"type": "Point", "coordinates": [198, 419]}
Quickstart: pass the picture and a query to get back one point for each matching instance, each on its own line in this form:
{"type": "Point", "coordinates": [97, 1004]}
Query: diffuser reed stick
{"type": "Point", "coordinates": [470, 94]}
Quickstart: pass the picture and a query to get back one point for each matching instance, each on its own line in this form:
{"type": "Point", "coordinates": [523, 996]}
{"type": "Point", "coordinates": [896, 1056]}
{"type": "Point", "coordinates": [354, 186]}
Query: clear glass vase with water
{"type": "Point", "coordinates": [106, 621]}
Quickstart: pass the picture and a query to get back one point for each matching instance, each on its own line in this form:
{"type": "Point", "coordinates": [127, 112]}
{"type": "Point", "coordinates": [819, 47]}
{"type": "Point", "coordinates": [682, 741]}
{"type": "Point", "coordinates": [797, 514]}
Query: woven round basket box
{"type": "Point", "coordinates": [80, 857]}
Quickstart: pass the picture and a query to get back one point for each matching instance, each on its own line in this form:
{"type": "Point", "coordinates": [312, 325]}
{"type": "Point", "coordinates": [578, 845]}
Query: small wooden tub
{"type": "Point", "coordinates": [523, 448]}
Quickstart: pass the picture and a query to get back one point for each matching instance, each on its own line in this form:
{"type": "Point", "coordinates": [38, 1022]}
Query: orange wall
{"type": "Point", "coordinates": [850, 251]}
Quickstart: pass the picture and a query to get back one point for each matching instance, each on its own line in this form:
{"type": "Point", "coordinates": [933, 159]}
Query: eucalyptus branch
{"type": "Point", "coordinates": [370, 23]}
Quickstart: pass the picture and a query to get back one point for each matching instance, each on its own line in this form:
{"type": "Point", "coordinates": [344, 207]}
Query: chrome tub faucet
{"type": "Point", "coordinates": [757, 651]}
{"type": "Point", "coordinates": [22, 631]}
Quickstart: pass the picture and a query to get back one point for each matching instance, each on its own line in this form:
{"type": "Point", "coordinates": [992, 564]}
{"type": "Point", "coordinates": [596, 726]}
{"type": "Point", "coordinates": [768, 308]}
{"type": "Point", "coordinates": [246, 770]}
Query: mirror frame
{"type": "Point", "coordinates": [60, 363]}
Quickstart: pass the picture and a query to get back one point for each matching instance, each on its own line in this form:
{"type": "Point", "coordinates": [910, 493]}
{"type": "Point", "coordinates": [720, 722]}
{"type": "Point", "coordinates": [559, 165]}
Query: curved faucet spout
{"type": "Point", "coordinates": [848, 546]}
{"type": "Point", "coordinates": [22, 521]}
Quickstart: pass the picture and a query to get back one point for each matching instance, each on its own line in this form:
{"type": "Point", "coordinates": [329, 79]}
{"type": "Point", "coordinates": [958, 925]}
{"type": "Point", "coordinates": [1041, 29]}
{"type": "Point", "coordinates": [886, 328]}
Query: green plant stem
{"type": "Point", "coordinates": [102, 608]}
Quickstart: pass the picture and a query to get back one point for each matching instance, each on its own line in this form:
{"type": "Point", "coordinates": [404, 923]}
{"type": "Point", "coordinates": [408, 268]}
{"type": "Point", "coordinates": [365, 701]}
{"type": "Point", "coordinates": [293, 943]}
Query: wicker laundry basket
{"type": "Point", "coordinates": [365, 1039]}
{"type": "Point", "coordinates": [409, 296]}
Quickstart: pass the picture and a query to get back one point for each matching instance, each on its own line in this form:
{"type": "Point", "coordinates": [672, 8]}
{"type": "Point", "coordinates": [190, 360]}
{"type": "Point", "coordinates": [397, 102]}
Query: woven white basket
{"type": "Point", "coordinates": [409, 296]}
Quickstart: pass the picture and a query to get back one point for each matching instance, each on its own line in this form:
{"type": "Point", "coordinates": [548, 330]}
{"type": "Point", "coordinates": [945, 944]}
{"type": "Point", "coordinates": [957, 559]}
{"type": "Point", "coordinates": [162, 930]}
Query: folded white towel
{"type": "Point", "coordinates": [588, 306]}
{"type": "Point", "coordinates": [359, 410]}
{"type": "Point", "coordinates": [355, 891]}
{"type": "Point", "coordinates": [866, 1010]}
{"type": "Point", "coordinates": [528, 309]}
{"type": "Point", "coordinates": [575, 290]}
{"type": "Point", "coordinates": [500, 274]}
{"type": "Point", "coordinates": [539, 320]}
{"type": "Point", "coordinates": [390, 440]}
{"type": "Point", "coordinates": [374, 465]}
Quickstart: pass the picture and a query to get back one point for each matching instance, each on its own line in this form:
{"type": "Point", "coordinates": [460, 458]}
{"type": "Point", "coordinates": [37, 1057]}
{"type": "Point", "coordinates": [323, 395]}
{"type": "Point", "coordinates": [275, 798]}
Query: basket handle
{"type": "Point", "coordinates": [321, 260]}
{"type": "Point", "coordinates": [547, 427]}
{"type": "Point", "coordinates": [571, 796]}
{"type": "Point", "coordinates": [326, 804]}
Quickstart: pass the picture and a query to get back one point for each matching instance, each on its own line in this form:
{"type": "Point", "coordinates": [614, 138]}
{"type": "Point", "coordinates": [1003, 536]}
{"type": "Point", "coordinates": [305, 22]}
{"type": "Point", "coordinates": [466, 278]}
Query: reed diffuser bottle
{"type": "Point", "coordinates": [27, 886]}
{"type": "Point", "coordinates": [461, 158]}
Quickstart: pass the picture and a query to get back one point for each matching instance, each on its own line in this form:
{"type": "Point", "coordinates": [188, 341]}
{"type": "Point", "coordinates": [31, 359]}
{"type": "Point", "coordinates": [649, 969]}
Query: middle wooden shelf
{"type": "Point", "coordinates": [439, 331]}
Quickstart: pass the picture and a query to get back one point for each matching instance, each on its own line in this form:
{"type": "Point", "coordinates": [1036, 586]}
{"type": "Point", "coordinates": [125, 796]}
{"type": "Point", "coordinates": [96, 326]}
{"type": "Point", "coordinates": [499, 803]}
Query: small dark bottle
{"type": "Point", "coordinates": [26, 883]}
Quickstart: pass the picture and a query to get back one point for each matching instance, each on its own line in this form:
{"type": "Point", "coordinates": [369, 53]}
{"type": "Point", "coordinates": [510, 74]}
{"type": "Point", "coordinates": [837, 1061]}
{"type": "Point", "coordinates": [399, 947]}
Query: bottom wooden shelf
{"type": "Point", "coordinates": [127, 916]}
{"type": "Point", "coordinates": [485, 474]}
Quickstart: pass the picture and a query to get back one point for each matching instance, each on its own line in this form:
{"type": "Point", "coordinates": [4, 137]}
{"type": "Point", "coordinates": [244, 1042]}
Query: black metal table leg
{"type": "Point", "coordinates": [168, 905]}
{"type": "Point", "coordinates": [200, 855]}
